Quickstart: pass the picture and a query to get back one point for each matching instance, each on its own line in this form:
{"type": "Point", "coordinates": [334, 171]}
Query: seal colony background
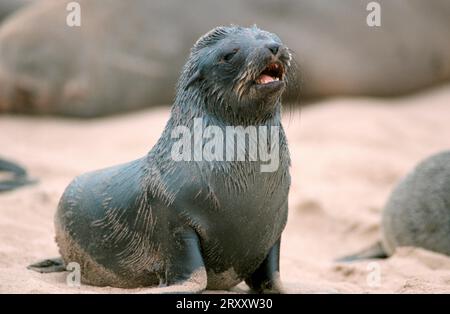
{"type": "Point", "coordinates": [348, 151]}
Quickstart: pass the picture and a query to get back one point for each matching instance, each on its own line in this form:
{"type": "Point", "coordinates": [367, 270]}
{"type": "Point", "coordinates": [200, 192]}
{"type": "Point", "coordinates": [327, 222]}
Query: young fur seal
{"type": "Point", "coordinates": [417, 212]}
{"type": "Point", "coordinates": [190, 225]}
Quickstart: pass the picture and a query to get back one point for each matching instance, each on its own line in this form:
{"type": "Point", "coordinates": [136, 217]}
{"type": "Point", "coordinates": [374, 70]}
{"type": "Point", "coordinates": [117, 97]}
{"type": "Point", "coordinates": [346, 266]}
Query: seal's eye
{"type": "Point", "coordinates": [228, 56]}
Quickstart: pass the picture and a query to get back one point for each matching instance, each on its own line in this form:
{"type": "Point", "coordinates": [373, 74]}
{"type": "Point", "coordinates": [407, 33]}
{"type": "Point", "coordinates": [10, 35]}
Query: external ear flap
{"type": "Point", "coordinates": [195, 77]}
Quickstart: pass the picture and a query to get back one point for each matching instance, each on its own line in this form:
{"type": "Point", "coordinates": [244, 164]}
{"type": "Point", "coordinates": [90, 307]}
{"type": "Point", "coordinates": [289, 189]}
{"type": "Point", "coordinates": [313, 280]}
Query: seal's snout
{"type": "Point", "coordinates": [275, 59]}
{"type": "Point", "coordinates": [274, 48]}
{"type": "Point", "coordinates": [272, 73]}
{"type": "Point", "coordinates": [270, 78]}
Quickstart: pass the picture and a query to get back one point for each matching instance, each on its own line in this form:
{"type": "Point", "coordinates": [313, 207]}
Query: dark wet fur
{"type": "Point", "coordinates": [157, 221]}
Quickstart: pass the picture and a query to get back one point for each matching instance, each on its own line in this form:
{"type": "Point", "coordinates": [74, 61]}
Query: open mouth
{"type": "Point", "coordinates": [272, 73]}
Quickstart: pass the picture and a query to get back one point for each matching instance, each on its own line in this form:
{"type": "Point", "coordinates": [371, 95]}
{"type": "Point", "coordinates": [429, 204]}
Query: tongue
{"type": "Point", "coordinates": [264, 79]}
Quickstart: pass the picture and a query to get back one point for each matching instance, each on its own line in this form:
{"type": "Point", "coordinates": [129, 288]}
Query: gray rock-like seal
{"type": "Point", "coordinates": [417, 212]}
{"type": "Point", "coordinates": [190, 225]}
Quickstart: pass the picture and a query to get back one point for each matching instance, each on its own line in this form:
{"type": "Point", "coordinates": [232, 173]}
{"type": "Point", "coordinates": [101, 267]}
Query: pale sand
{"type": "Point", "coordinates": [347, 154]}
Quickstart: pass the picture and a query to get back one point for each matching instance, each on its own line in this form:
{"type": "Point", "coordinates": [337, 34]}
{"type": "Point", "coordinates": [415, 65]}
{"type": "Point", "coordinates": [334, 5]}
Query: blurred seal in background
{"type": "Point", "coordinates": [417, 213]}
{"type": "Point", "coordinates": [127, 55]}
{"type": "Point", "coordinates": [9, 6]}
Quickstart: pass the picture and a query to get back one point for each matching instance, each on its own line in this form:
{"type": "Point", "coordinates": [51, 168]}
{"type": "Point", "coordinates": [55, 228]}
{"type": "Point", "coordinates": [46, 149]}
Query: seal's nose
{"type": "Point", "coordinates": [273, 47]}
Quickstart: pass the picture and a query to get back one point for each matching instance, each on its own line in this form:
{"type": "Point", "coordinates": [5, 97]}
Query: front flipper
{"type": "Point", "coordinates": [51, 265]}
{"type": "Point", "coordinates": [266, 279]}
{"type": "Point", "coordinates": [187, 273]}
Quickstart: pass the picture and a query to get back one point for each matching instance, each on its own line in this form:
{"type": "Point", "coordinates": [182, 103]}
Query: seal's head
{"type": "Point", "coordinates": [237, 72]}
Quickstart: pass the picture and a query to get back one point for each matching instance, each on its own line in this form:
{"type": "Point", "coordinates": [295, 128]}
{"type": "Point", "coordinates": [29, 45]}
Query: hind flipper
{"type": "Point", "coordinates": [51, 265]}
{"type": "Point", "coordinates": [9, 166]}
{"type": "Point", "coordinates": [374, 251]}
{"type": "Point", "coordinates": [18, 179]}
{"type": "Point", "coordinates": [9, 185]}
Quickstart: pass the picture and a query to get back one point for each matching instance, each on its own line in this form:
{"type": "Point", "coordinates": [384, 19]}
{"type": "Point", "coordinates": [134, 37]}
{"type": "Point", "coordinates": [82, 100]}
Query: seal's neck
{"type": "Point", "coordinates": [189, 120]}
{"type": "Point", "coordinates": [188, 107]}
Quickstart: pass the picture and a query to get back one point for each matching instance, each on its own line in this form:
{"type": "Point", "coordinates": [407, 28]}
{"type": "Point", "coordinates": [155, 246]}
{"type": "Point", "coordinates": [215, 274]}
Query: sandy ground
{"type": "Point", "coordinates": [347, 155]}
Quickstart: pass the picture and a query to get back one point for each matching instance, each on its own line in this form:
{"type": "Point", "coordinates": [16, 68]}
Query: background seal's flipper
{"type": "Point", "coordinates": [19, 176]}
